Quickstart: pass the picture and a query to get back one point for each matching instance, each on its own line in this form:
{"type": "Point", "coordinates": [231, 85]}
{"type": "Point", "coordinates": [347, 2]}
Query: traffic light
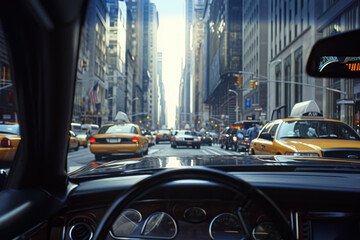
{"type": "Point", "coordinates": [253, 84]}
{"type": "Point", "coordinates": [237, 80]}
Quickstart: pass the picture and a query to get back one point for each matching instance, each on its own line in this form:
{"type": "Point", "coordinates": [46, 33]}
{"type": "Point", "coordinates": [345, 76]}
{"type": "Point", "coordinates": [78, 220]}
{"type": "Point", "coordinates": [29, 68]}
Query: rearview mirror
{"type": "Point", "coordinates": [337, 56]}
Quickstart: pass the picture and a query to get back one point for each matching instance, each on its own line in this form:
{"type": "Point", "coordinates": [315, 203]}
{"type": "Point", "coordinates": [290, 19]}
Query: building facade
{"type": "Point", "coordinates": [116, 57]}
{"type": "Point", "coordinates": [255, 39]}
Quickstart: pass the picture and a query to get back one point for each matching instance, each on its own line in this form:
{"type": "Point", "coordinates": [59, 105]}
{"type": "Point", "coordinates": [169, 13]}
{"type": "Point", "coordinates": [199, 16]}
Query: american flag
{"type": "Point", "coordinates": [93, 95]}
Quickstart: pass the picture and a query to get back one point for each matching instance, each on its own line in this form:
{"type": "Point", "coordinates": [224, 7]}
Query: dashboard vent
{"type": "Point", "coordinates": [81, 231]}
{"type": "Point", "coordinates": [306, 230]}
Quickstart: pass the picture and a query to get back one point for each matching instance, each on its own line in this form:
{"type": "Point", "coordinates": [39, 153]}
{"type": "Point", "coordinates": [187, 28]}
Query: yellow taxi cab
{"type": "Point", "coordinates": [295, 135]}
{"type": "Point", "coordinates": [163, 135]}
{"type": "Point", "coordinates": [74, 142]}
{"type": "Point", "coordinates": [82, 136]}
{"type": "Point", "coordinates": [150, 137]}
{"type": "Point", "coordinates": [118, 139]}
{"type": "Point", "coordinates": [9, 140]}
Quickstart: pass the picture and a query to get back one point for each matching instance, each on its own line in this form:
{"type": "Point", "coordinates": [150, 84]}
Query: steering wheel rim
{"type": "Point", "coordinates": [207, 174]}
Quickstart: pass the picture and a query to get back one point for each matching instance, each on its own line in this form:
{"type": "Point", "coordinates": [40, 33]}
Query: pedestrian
{"type": "Point", "coordinates": [253, 132]}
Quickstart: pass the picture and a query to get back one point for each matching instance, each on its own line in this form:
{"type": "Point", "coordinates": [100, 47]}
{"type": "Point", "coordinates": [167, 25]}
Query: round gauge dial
{"type": "Point", "coordinates": [266, 231]}
{"type": "Point", "coordinates": [226, 226]}
{"type": "Point", "coordinates": [126, 223]}
{"type": "Point", "coordinates": [160, 225]}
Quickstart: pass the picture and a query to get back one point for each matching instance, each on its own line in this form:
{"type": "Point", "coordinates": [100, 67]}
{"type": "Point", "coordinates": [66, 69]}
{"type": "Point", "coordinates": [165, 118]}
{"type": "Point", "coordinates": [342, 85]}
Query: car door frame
{"type": "Point", "coordinates": [43, 44]}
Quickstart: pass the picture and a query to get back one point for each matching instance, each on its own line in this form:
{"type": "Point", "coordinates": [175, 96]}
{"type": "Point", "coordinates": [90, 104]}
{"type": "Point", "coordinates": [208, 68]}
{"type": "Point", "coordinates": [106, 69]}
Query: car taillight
{"type": "Point", "coordinates": [157, 135]}
{"type": "Point", "coordinates": [135, 140]}
{"type": "Point", "coordinates": [92, 140]}
{"type": "Point", "coordinates": [5, 142]}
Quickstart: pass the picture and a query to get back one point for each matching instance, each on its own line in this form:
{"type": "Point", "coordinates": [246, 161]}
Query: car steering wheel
{"type": "Point", "coordinates": [212, 175]}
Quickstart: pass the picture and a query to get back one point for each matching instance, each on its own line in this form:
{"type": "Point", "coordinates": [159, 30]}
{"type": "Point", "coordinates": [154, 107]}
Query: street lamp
{"type": "Point", "coordinates": [237, 104]}
{"type": "Point", "coordinates": [269, 103]}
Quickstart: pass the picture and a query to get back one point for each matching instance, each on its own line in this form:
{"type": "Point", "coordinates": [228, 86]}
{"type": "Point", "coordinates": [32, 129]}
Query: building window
{"type": "Point", "coordinates": [287, 73]}
{"type": "Point", "coordinates": [278, 85]}
{"type": "Point", "coordinates": [298, 75]}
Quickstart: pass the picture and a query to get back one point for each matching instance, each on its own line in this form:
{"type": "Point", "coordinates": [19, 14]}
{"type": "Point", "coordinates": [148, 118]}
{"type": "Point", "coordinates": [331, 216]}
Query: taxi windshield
{"type": "Point", "coordinates": [10, 128]}
{"type": "Point", "coordinates": [316, 129]}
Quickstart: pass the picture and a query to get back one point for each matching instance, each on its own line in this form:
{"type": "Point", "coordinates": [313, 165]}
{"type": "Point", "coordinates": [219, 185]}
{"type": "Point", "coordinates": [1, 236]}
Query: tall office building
{"type": "Point", "coordinates": [253, 102]}
{"type": "Point", "coordinates": [116, 56]}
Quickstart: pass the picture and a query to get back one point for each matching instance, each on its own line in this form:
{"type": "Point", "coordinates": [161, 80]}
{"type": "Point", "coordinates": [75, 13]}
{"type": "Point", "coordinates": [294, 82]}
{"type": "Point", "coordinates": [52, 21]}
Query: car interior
{"type": "Point", "coordinates": [40, 200]}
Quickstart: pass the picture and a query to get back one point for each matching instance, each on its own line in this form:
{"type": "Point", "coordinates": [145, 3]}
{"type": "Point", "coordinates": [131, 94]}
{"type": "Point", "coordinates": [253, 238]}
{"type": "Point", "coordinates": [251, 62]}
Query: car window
{"type": "Point", "coordinates": [117, 129]}
{"type": "Point", "coordinates": [316, 129]}
{"type": "Point", "coordinates": [9, 127]}
{"type": "Point", "coordinates": [273, 129]}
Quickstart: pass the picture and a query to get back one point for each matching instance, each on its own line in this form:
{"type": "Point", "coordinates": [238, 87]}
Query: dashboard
{"type": "Point", "coordinates": [317, 206]}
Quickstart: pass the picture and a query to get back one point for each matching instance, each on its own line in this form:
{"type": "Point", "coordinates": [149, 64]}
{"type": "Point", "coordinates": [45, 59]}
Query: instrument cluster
{"type": "Point", "coordinates": [186, 221]}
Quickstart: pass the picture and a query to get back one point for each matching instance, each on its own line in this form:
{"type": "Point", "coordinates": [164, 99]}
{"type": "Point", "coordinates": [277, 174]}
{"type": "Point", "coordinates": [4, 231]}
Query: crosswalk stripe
{"type": "Point", "coordinates": [213, 152]}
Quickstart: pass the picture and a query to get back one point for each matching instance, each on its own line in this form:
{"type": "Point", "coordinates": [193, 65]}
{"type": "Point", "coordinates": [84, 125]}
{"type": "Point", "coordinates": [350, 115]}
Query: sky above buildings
{"type": "Point", "coordinates": [171, 42]}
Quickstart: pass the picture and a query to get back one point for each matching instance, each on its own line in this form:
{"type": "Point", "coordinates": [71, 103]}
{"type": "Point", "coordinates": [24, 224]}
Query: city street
{"type": "Point", "coordinates": [77, 159]}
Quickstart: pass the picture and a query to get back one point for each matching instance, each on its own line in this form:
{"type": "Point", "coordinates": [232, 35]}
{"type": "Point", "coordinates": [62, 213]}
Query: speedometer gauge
{"type": "Point", "coordinates": [160, 225]}
{"type": "Point", "coordinates": [226, 226]}
{"type": "Point", "coordinates": [266, 231]}
{"type": "Point", "coordinates": [126, 223]}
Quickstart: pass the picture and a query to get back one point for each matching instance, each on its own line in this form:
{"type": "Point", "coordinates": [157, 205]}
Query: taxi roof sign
{"type": "Point", "coordinates": [306, 109]}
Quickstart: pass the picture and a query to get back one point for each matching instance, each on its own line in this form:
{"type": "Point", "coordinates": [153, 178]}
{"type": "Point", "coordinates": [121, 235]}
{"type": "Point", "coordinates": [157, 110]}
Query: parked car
{"type": "Point", "coordinates": [186, 138]}
{"type": "Point", "coordinates": [119, 139]}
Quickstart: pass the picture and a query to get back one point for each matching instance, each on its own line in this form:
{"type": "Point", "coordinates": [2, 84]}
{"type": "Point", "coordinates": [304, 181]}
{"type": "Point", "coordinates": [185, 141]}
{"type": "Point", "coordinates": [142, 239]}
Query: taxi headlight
{"type": "Point", "coordinates": [234, 139]}
{"type": "Point", "coordinates": [302, 154]}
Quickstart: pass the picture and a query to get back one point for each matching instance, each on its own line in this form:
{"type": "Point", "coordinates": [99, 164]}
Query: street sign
{"type": "Point", "coordinates": [247, 103]}
{"type": "Point", "coordinates": [258, 109]}
{"type": "Point", "coordinates": [345, 102]}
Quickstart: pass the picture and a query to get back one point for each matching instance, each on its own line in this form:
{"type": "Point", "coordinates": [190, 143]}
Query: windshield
{"type": "Point", "coordinates": [316, 130]}
{"type": "Point", "coordinates": [220, 70]}
{"type": "Point", "coordinates": [217, 71]}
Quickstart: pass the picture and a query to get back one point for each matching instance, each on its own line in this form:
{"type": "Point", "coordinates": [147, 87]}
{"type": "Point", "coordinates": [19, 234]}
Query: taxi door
{"type": "Point", "coordinates": [268, 146]}
{"type": "Point", "coordinates": [258, 142]}
{"type": "Point", "coordinates": [264, 144]}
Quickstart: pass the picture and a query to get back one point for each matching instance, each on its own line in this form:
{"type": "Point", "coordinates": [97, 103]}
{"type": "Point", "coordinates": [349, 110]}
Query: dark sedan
{"type": "Point", "coordinates": [186, 138]}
